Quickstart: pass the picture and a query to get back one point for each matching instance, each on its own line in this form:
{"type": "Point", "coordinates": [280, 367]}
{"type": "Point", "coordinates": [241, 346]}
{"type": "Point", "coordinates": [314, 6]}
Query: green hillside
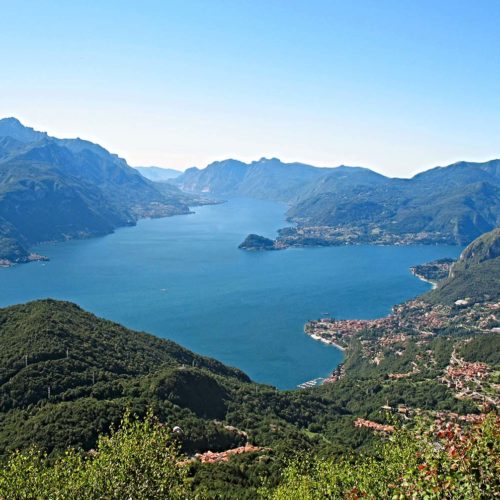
{"type": "Point", "coordinates": [486, 247]}
{"type": "Point", "coordinates": [96, 370]}
{"type": "Point", "coordinates": [453, 204]}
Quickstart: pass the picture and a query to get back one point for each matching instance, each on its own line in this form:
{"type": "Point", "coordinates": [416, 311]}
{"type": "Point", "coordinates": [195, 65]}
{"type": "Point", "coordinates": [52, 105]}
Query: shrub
{"type": "Point", "coordinates": [427, 462]}
{"type": "Point", "coordinates": [138, 460]}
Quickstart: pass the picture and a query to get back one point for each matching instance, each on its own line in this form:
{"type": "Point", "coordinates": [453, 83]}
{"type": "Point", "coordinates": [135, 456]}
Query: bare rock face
{"type": "Point", "coordinates": [486, 247]}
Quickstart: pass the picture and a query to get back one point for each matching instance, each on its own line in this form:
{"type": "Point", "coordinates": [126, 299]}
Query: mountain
{"type": "Point", "coordinates": [453, 204]}
{"type": "Point", "coordinates": [333, 206]}
{"type": "Point", "coordinates": [13, 128]}
{"type": "Point", "coordinates": [66, 376]}
{"type": "Point", "coordinates": [265, 178]}
{"type": "Point", "coordinates": [158, 174]}
{"type": "Point", "coordinates": [475, 277]}
{"type": "Point", "coordinates": [55, 189]}
{"type": "Point", "coordinates": [486, 247]}
{"type": "Point", "coordinates": [93, 367]}
{"type": "Point", "coordinates": [341, 179]}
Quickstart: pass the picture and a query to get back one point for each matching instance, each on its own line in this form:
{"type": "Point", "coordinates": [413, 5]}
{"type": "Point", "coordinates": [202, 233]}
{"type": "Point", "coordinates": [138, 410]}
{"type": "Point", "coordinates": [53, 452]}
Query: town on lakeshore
{"type": "Point", "coordinates": [420, 323]}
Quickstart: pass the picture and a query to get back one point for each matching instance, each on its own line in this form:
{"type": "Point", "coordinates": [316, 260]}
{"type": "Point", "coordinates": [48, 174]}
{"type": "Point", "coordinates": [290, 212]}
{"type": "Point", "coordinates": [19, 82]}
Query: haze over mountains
{"type": "Point", "coordinates": [452, 204]}
{"type": "Point", "coordinates": [158, 174]}
{"type": "Point", "coordinates": [266, 178]}
{"type": "Point", "coordinates": [55, 189]}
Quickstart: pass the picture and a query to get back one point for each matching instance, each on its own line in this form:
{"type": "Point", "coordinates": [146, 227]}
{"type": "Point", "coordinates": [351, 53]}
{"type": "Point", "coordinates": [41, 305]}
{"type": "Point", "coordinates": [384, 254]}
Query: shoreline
{"type": "Point", "coordinates": [344, 349]}
{"type": "Point", "coordinates": [425, 280]}
{"type": "Point", "coordinates": [35, 257]}
{"type": "Point", "coordinates": [327, 342]}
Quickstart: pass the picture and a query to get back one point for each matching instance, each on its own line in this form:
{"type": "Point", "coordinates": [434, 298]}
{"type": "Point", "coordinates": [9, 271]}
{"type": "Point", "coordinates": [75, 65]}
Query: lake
{"type": "Point", "coordinates": [183, 278]}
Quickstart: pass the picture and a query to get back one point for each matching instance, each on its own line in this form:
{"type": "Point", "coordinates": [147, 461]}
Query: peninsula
{"type": "Point", "coordinates": [434, 271]}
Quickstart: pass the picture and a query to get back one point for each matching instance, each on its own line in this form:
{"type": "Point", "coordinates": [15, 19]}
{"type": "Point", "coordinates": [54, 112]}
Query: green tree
{"type": "Point", "coordinates": [139, 460]}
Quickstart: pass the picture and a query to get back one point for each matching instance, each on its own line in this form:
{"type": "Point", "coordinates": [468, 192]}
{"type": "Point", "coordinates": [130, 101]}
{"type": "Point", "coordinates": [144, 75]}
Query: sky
{"type": "Point", "coordinates": [398, 86]}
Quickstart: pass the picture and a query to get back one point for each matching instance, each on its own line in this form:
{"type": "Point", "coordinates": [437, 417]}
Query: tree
{"type": "Point", "coordinates": [139, 460]}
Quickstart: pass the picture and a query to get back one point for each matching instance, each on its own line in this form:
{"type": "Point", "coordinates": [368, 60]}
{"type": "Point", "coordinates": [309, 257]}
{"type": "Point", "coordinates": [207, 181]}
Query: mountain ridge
{"type": "Point", "coordinates": [54, 189]}
{"type": "Point", "coordinates": [349, 205]}
{"type": "Point", "coordinates": [264, 178]}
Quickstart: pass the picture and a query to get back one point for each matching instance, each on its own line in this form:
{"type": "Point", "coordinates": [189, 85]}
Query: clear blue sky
{"type": "Point", "coordinates": [397, 86]}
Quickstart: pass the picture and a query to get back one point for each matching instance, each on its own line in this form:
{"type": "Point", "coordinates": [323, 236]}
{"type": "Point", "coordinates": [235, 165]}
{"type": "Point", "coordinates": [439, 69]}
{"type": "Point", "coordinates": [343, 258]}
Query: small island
{"type": "Point", "coordinates": [257, 242]}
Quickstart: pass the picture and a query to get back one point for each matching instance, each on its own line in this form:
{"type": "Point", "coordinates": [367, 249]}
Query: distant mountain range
{"type": "Point", "coordinates": [266, 178]}
{"type": "Point", "coordinates": [158, 174]}
{"type": "Point", "coordinates": [56, 189]}
{"type": "Point", "coordinates": [452, 204]}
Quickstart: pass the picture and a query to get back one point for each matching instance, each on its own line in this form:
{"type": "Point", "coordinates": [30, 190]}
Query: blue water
{"type": "Point", "coordinates": [183, 278]}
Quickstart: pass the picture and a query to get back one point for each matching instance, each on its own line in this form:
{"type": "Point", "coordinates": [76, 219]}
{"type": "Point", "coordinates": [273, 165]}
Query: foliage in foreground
{"type": "Point", "coordinates": [137, 461]}
{"type": "Point", "coordinates": [437, 462]}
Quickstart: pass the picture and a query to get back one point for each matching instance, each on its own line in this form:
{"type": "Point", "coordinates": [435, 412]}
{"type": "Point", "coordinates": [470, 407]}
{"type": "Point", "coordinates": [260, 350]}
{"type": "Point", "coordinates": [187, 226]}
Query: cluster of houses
{"type": "Point", "coordinates": [211, 457]}
{"type": "Point", "coordinates": [339, 332]}
{"type": "Point", "coordinates": [352, 235]}
{"type": "Point", "coordinates": [411, 318]}
{"type": "Point", "coordinates": [420, 322]}
{"type": "Point", "coordinates": [471, 418]}
{"type": "Point", "coordinates": [466, 372]}
{"type": "Point", "coordinates": [369, 424]}
{"type": "Point", "coordinates": [416, 319]}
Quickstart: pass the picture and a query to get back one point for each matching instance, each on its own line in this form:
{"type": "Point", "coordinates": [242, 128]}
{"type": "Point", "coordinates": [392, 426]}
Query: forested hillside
{"type": "Point", "coordinates": [458, 202]}
{"type": "Point", "coordinates": [475, 277]}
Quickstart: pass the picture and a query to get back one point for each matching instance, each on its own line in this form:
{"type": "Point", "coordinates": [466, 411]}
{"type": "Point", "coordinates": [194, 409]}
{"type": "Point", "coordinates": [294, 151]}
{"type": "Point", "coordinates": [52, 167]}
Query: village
{"type": "Point", "coordinates": [413, 318]}
{"type": "Point", "coordinates": [307, 235]}
{"type": "Point", "coordinates": [418, 322]}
